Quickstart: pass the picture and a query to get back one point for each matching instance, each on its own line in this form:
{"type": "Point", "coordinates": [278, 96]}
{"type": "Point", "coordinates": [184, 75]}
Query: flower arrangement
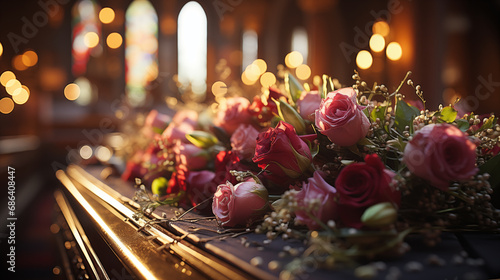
{"type": "Point", "coordinates": [353, 170]}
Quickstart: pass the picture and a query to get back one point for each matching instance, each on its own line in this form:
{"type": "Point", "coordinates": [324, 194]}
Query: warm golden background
{"type": "Point", "coordinates": [451, 46]}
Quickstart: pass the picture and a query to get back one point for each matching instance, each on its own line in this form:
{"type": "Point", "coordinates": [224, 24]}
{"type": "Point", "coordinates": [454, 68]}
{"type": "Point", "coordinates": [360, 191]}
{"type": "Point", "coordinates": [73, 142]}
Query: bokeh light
{"type": "Point", "coordinates": [29, 58]}
{"type": "Point", "coordinates": [114, 40]}
{"type": "Point", "coordinates": [103, 153]}
{"type": "Point", "coordinates": [106, 15]}
{"type": "Point", "coordinates": [261, 64]}
{"type": "Point", "coordinates": [86, 91]}
{"type": "Point", "coordinates": [394, 51]}
{"type": "Point", "coordinates": [18, 64]}
{"type": "Point", "coordinates": [6, 76]}
{"type": "Point", "coordinates": [246, 80]}
{"type": "Point", "coordinates": [364, 59]}
{"type": "Point", "coordinates": [91, 39]}
{"type": "Point", "coordinates": [1, 49]}
{"type": "Point", "coordinates": [72, 91]}
{"type": "Point", "coordinates": [12, 85]}
{"type": "Point", "coordinates": [219, 88]}
{"type": "Point", "coordinates": [377, 43]}
{"type": "Point", "coordinates": [267, 79]}
{"type": "Point", "coordinates": [20, 96]}
{"type": "Point", "coordinates": [252, 72]}
{"type": "Point", "coordinates": [303, 72]}
{"type": "Point", "coordinates": [6, 105]}
{"type": "Point", "coordinates": [86, 152]}
{"type": "Point", "coordinates": [293, 59]}
{"type": "Point", "coordinates": [381, 27]}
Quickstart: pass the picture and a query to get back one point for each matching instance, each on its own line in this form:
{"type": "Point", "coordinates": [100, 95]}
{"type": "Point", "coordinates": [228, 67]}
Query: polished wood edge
{"type": "Point", "coordinates": [92, 260]}
{"type": "Point", "coordinates": [201, 260]}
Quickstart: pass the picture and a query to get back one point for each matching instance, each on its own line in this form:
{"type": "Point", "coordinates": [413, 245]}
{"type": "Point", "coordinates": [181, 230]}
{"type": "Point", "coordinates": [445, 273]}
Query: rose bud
{"type": "Point", "coordinates": [159, 186]}
{"type": "Point", "coordinates": [379, 215]}
{"type": "Point", "coordinates": [240, 205]}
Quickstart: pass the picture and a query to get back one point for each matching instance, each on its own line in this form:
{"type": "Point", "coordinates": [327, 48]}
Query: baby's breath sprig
{"type": "Point", "coordinates": [418, 91]}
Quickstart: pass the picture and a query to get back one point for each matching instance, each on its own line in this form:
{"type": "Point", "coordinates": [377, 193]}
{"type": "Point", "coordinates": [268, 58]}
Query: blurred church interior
{"type": "Point", "coordinates": [71, 71]}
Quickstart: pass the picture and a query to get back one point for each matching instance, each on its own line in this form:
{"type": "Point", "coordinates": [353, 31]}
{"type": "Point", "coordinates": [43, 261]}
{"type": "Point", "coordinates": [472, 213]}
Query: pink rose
{"type": "Point", "coordinates": [183, 122]}
{"type": "Point", "coordinates": [175, 132]}
{"type": "Point", "coordinates": [308, 103]}
{"type": "Point", "coordinates": [156, 122]}
{"type": "Point", "coordinates": [189, 156]}
{"type": "Point", "coordinates": [240, 205]}
{"type": "Point", "coordinates": [441, 153]}
{"type": "Point", "coordinates": [341, 119]}
{"type": "Point", "coordinates": [282, 152]}
{"type": "Point", "coordinates": [232, 113]}
{"type": "Point", "coordinates": [244, 140]}
{"type": "Point", "coordinates": [361, 185]}
{"type": "Point", "coordinates": [320, 194]}
{"type": "Point", "coordinates": [186, 116]}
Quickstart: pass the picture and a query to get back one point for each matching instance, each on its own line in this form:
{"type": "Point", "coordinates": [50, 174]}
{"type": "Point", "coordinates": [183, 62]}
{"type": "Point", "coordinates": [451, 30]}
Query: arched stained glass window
{"type": "Point", "coordinates": [141, 49]}
{"type": "Point", "coordinates": [300, 42]}
{"type": "Point", "coordinates": [86, 34]}
{"type": "Point", "coordinates": [192, 47]}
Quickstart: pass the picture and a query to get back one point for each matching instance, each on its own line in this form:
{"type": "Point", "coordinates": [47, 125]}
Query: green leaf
{"type": "Point", "coordinates": [405, 114]}
{"type": "Point", "coordinates": [201, 139]}
{"type": "Point", "coordinates": [291, 116]}
{"type": "Point", "coordinates": [488, 124]}
{"type": "Point", "coordinates": [379, 112]}
{"type": "Point", "coordinates": [448, 114]}
{"type": "Point", "coordinates": [293, 87]}
{"type": "Point", "coordinates": [462, 124]}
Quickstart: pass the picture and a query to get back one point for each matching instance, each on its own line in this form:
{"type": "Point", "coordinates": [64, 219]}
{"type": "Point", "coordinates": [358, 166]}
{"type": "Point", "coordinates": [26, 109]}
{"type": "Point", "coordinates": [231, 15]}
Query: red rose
{"type": "Point", "coordinates": [265, 110]}
{"type": "Point", "coordinates": [319, 195]}
{"type": "Point", "coordinates": [283, 152]}
{"type": "Point", "coordinates": [133, 169]}
{"type": "Point", "coordinates": [441, 153]}
{"type": "Point", "coordinates": [226, 161]}
{"type": "Point", "coordinates": [232, 113]}
{"type": "Point", "coordinates": [200, 186]}
{"type": "Point", "coordinates": [341, 119]}
{"type": "Point", "coordinates": [361, 185]}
